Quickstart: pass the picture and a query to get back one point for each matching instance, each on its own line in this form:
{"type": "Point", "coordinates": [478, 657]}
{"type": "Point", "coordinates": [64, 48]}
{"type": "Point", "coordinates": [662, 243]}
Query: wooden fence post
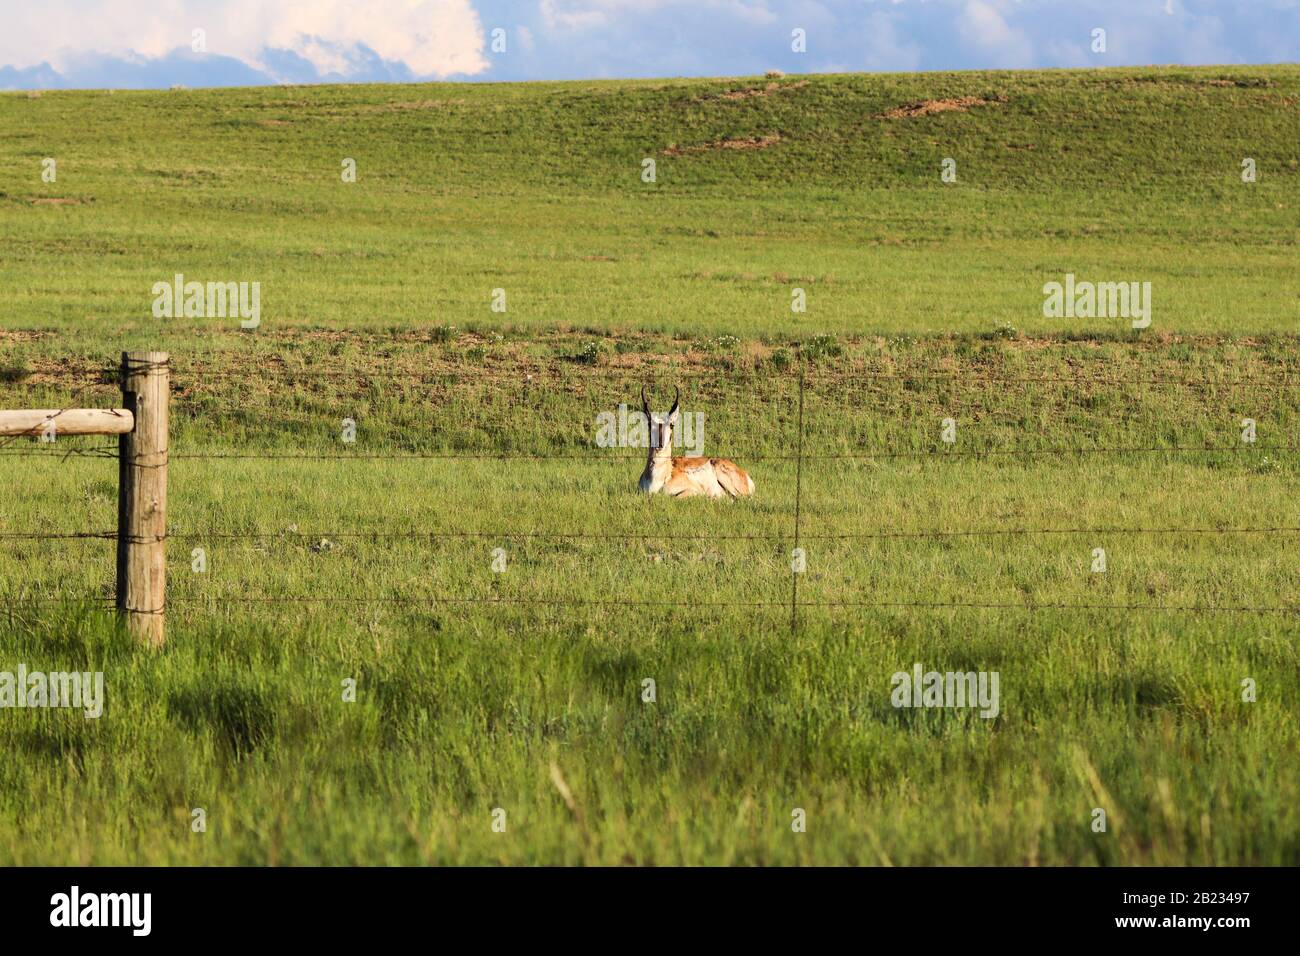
{"type": "Point", "coordinates": [142, 496]}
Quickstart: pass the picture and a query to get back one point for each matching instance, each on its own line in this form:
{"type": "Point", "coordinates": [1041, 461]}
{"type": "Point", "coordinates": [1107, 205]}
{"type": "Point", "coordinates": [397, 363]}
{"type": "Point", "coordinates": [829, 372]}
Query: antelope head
{"type": "Point", "coordinates": [661, 427]}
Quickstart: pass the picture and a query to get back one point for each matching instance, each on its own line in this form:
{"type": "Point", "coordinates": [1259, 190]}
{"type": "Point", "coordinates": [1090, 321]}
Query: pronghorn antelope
{"type": "Point", "coordinates": [686, 477]}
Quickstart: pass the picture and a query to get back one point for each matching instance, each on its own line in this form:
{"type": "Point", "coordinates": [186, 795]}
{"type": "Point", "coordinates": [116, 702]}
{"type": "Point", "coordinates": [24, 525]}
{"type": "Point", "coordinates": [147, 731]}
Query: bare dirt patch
{"type": "Point", "coordinates": [751, 92]}
{"type": "Point", "coordinates": [56, 201]}
{"type": "Point", "coordinates": [727, 142]}
{"type": "Point", "coordinates": [24, 335]}
{"type": "Point", "coordinates": [1250, 82]}
{"type": "Point", "coordinates": [958, 104]}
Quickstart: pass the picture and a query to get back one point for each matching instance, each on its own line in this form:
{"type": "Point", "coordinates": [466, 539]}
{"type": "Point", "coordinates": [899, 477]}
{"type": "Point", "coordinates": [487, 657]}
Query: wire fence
{"type": "Point", "coordinates": [507, 535]}
{"type": "Point", "coordinates": [796, 535]}
{"type": "Point", "coordinates": [215, 601]}
{"type": "Point", "coordinates": [622, 459]}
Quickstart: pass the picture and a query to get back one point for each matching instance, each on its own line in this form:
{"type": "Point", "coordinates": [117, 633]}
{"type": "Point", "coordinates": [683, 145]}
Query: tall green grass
{"type": "Point", "coordinates": [476, 690]}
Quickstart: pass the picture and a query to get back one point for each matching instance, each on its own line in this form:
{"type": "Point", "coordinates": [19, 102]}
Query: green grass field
{"type": "Point", "coordinates": [537, 189]}
{"type": "Point", "coordinates": [522, 689]}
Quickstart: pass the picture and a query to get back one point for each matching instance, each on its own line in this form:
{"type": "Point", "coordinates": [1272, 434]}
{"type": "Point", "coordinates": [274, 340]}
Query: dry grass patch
{"type": "Point", "coordinates": [752, 92]}
{"type": "Point", "coordinates": [958, 104]}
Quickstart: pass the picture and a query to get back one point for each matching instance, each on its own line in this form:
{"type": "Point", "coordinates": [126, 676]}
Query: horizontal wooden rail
{"type": "Point", "coordinates": [67, 421]}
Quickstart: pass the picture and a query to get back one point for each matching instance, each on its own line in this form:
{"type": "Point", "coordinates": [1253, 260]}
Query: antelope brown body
{"type": "Point", "coordinates": [686, 477]}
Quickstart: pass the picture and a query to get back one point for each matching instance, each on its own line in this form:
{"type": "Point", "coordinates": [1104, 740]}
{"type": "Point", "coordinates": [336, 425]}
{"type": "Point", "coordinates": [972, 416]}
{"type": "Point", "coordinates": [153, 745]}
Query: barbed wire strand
{"type": "Point", "coordinates": [867, 455]}
{"type": "Point", "coordinates": [352, 533]}
{"type": "Point", "coordinates": [782, 606]}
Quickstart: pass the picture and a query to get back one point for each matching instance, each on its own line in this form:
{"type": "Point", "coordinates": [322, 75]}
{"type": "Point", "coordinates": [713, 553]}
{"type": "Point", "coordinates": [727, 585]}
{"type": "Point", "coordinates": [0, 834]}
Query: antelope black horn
{"type": "Point", "coordinates": [677, 399]}
{"type": "Point", "coordinates": [645, 402]}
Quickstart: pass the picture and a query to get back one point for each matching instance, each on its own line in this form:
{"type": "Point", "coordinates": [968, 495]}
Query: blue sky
{"type": "Point", "coordinates": [50, 44]}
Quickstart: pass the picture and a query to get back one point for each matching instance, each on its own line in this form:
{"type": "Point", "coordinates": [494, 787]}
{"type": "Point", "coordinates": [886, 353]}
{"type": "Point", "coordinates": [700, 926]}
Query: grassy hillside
{"type": "Point", "coordinates": [823, 183]}
{"type": "Point", "coordinates": [522, 689]}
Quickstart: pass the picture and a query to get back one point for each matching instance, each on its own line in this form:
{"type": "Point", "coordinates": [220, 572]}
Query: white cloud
{"type": "Point", "coordinates": [561, 14]}
{"type": "Point", "coordinates": [982, 24]}
{"type": "Point", "coordinates": [432, 37]}
{"type": "Point", "coordinates": [590, 14]}
{"type": "Point", "coordinates": [884, 47]}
